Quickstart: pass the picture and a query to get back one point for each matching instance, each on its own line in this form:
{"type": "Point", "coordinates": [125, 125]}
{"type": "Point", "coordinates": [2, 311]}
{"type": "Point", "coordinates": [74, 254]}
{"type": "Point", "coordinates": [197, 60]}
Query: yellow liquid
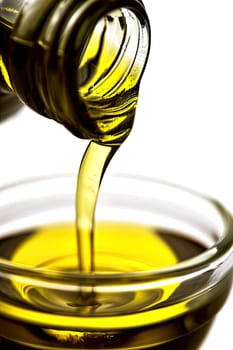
{"type": "Point", "coordinates": [90, 175]}
{"type": "Point", "coordinates": [48, 318]}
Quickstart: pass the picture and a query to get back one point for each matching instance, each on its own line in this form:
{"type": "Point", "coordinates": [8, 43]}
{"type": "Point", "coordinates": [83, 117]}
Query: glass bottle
{"type": "Point", "coordinates": [78, 62]}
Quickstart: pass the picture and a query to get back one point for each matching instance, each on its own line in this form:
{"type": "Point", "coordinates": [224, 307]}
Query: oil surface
{"type": "Point", "coordinates": [129, 320]}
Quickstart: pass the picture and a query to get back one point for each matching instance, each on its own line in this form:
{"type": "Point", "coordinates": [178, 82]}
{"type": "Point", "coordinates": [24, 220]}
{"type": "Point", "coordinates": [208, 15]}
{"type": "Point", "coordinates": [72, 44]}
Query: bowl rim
{"type": "Point", "coordinates": [207, 260]}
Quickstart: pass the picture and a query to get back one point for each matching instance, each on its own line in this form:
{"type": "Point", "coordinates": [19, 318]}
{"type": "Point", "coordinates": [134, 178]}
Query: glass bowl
{"type": "Point", "coordinates": [163, 266]}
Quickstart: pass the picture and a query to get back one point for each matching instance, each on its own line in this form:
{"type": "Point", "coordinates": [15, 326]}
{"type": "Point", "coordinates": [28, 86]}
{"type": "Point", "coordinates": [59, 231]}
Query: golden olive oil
{"type": "Point", "coordinates": [90, 175]}
{"type": "Point", "coordinates": [132, 320]}
{"type": "Point", "coordinates": [90, 317]}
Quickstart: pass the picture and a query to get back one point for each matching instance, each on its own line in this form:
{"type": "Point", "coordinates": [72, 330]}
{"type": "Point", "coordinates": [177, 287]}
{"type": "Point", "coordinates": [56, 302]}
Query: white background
{"type": "Point", "coordinates": [183, 128]}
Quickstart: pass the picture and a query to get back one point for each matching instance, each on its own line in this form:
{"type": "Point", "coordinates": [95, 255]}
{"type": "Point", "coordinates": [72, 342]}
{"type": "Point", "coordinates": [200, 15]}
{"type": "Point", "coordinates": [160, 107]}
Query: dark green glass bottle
{"type": "Point", "coordinates": [78, 62]}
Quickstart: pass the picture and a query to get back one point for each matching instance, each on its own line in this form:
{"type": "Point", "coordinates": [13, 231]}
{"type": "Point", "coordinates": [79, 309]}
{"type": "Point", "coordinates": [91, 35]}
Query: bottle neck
{"type": "Point", "coordinates": [80, 63]}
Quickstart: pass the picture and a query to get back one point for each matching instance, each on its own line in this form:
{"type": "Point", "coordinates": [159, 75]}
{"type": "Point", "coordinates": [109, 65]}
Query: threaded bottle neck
{"type": "Point", "coordinates": [80, 63]}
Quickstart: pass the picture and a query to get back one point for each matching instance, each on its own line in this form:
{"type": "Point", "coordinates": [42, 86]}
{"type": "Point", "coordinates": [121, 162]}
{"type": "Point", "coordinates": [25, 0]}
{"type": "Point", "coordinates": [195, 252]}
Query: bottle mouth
{"type": "Point", "coordinates": [161, 204]}
{"type": "Point", "coordinates": [110, 72]}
